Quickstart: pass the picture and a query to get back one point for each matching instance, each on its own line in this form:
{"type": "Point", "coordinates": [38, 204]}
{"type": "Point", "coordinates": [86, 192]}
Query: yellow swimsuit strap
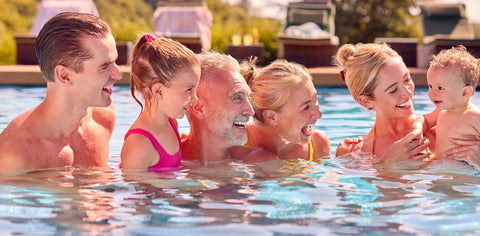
{"type": "Point", "coordinates": [373, 141]}
{"type": "Point", "coordinates": [312, 154]}
{"type": "Point", "coordinates": [248, 140]}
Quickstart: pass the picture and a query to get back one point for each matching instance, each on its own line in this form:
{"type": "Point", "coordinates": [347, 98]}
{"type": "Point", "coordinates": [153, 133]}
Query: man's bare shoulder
{"type": "Point", "coordinates": [104, 116]}
{"type": "Point", "coordinates": [11, 158]}
{"type": "Point", "coordinates": [251, 154]}
{"type": "Point", "coordinates": [14, 141]}
{"type": "Point", "coordinates": [90, 142]}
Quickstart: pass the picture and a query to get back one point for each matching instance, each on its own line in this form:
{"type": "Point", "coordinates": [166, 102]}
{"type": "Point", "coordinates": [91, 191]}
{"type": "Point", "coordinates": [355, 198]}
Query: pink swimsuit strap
{"type": "Point", "coordinates": [167, 162]}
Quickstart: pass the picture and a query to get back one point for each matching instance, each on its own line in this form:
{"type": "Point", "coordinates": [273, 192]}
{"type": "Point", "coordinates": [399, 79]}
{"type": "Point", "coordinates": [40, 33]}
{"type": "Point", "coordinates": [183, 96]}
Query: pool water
{"type": "Point", "coordinates": [235, 198]}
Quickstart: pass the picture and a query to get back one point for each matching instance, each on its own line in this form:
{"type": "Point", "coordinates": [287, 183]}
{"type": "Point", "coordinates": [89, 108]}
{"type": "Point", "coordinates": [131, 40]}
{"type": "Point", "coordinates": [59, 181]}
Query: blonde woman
{"type": "Point", "coordinates": [379, 81]}
{"type": "Point", "coordinates": [285, 103]}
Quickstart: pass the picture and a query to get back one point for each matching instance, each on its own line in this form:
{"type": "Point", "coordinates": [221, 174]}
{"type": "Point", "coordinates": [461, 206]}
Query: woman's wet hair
{"type": "Point", "coordinates": [157, 60]}
{"type": "Point", "coordinates": [360, 64]}
{"type": "Point", "coordinates": [459, 59]}
{"type": "Point", "coordinates": [271, 86]}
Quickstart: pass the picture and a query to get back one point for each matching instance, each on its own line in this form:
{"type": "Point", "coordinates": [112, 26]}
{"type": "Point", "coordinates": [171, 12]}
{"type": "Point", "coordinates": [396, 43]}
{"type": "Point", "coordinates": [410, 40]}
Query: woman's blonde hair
{"type": "Point", "coordinates": [360, 64]}
{"type": "Point", "coordinates": [271, 86]}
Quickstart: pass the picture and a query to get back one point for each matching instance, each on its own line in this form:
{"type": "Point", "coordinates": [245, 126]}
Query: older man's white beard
{"type": "Point", "coordinates": [217, 124]}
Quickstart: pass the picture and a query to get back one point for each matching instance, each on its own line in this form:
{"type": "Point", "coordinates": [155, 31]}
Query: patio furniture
{"type": "Point", "coordinates": [244, 52]}
{"type": "Point", "coordinates": [49, 8]}
{"type": "Point", "coordinates": [445, 26]}
{"type": "Point", "coordinates": [406, 48]}
{"type": "Point", "coordinates": [316, 50]}
{"type": "Point", "coordinates": [188, 22]}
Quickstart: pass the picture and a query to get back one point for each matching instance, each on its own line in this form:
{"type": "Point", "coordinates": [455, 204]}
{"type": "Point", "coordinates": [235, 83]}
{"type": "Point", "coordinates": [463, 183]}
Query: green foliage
{"type": "Point", "coordinates": [18, 14]}
{"type": "Point", "coordinates": [126, 18]}
{"type": "Point", "coordinates": [363, 21]}
{"type": "Point", "coordinates": [7, 46]}
{"type": "Point", "coordinates": [356, 21]}
{"type": "Point", "coordinates": [17, 18]}
{"type": "Point", "coordinates": [230, 20]}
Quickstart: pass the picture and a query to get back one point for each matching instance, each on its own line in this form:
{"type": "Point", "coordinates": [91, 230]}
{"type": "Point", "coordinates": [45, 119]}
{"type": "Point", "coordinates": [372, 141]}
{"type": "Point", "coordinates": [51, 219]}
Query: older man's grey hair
{"type": "Point", "coordinates": [213, 65]}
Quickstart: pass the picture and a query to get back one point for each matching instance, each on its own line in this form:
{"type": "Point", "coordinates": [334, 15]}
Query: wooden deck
{"type": "Point", "coordinates": [322, 76]}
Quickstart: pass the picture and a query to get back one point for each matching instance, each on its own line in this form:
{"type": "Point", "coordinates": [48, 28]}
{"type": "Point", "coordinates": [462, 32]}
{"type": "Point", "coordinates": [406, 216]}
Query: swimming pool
{"type": "Point", "coordinates": [294, 198]}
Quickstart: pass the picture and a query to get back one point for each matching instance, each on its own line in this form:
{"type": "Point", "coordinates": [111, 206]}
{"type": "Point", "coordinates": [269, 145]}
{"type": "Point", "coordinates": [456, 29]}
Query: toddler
{"type": "Point", "coordinates": [452, 78]}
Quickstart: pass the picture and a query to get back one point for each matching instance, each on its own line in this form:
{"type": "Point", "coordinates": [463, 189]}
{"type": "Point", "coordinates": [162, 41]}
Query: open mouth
{"type": "Point", "coordinates": [307, 130]}
{"type": "Point", "coordinates": [240, 124]}
{"type": "Point", "coordinates": [108, 88]}
{"type": "Point", "coordinates": [404, 105]}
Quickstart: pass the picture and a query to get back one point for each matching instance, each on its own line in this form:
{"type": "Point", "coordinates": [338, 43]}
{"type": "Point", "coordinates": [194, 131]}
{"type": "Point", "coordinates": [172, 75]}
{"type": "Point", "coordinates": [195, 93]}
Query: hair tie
{"type": "Point", "coordinates": [342, 74]}
{"type": "Point", "coordinates": [150, 37]}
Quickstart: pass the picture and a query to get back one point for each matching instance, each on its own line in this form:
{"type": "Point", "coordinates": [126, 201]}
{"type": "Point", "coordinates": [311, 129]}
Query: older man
{"type": "Point", "coordinates": [218, 119]}
{"type": "Point", "coordinates": [74, 122]}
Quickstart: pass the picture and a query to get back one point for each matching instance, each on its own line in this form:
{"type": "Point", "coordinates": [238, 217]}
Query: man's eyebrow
{"type": "Point", "coordinates": [106, 64]}
{"type": "Point", "coordinates": [238, 92]}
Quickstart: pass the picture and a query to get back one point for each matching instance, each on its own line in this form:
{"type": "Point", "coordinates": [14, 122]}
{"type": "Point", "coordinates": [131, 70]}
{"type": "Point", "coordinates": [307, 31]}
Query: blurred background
{"type": "Point", "coordinates": [354, 21]}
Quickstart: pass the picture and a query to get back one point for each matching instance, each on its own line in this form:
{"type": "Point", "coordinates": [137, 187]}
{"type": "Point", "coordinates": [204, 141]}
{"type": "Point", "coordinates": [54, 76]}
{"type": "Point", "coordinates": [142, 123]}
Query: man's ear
{"type": "Point", "coordinates": [198, 109]}
{"type": "Point", "coordinates": [467, 91]}
{"type": "Point", "coordinates": [365, 101]}
{"type": "Point", "coordinates": [270, 117]}
{"type": "Point", "coordinates": [63, 74]}
{"type": "Point", "coordinates": [157, 90]}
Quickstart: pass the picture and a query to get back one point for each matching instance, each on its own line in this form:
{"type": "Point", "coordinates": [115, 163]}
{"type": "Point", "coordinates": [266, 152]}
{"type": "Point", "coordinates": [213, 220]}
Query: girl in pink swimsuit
{"type": "Point", "coordinates": [165, 73]}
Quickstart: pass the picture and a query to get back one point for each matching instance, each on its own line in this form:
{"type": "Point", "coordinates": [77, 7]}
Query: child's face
{"type": "Point", "coordinates": [445, 87]}
{"type": "Point", "coordinates": [181, 94]}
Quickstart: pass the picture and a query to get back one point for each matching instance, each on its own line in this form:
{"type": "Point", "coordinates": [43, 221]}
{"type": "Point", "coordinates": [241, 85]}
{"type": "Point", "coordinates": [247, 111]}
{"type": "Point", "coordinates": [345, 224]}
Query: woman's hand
{"type": "Point", "coordinates": [467, 150]}
{"type": "Point", "coordinates": [354, 140]}
{"type": "Point", "coordinates": [408, 148]}
{"type": "Point", "coordinates": [349, 145]}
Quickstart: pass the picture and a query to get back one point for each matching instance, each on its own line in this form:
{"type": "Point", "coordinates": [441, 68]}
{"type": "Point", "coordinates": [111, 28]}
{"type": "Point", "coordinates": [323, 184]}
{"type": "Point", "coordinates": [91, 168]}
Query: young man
{"type": "Point", "coordinates": [74, 122]}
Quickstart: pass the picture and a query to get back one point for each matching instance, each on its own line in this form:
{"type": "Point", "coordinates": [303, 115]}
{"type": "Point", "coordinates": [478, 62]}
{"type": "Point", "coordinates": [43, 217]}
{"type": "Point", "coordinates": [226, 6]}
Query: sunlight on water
{"type": "Point", "coordinates": [234, 198]}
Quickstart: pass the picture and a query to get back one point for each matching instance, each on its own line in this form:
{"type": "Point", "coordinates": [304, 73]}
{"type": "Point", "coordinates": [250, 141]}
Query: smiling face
{"type": "Point", "coordinates": [299, 114]}
{"type": "Point", "coordinates": [227, 108]}
{"type": "Point", "coordinates": [445, 87]}
{"type": "Point", "coordinates": [394, 91]}
{"type": "Point", "coordinates": [181, 93]}
{"type": "Point", "coordinates": [94, 84]}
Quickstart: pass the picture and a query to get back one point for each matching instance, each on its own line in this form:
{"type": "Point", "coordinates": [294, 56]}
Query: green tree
{"type": "Point", "coordinates": [364, 20]}
{"type": "Point", "coordinates": [126, 18]}
{"type": "Point", "coordinates": [17, 18]}
{"type": "Point", "coordinates": [229, 20]}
